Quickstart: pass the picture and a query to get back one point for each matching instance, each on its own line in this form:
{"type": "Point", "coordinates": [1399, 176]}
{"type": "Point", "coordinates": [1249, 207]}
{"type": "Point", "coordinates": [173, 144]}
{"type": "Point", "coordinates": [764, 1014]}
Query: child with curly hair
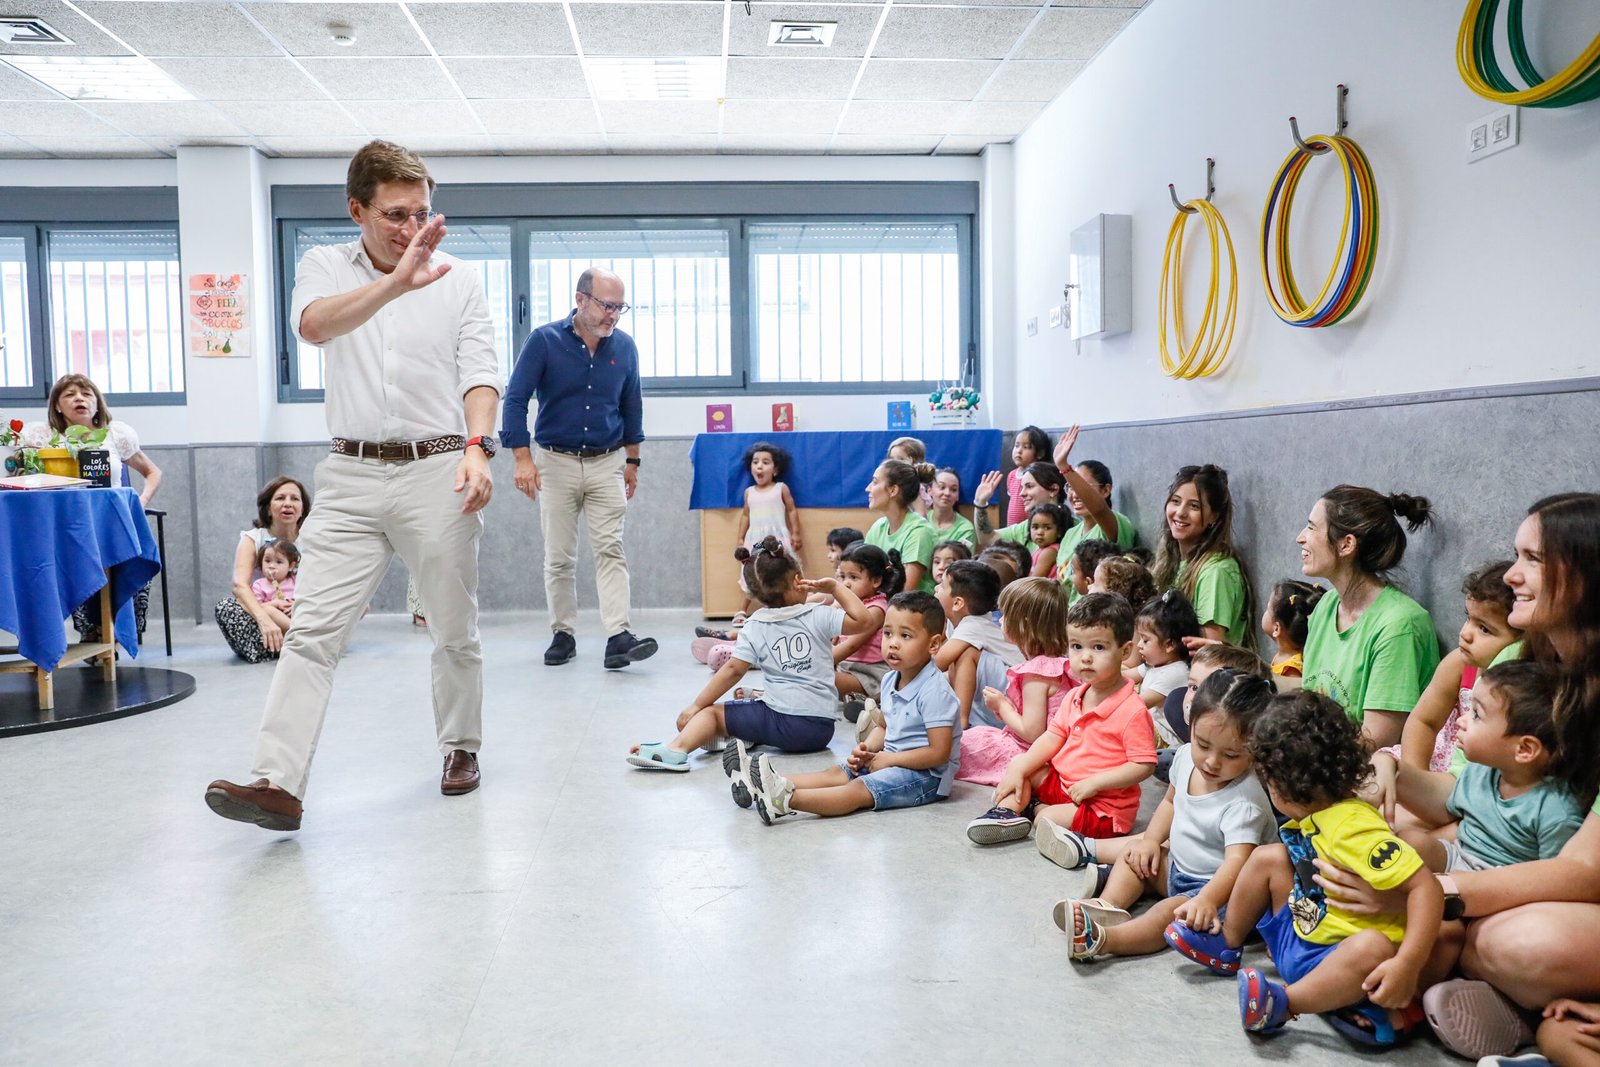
{"type": "Point", "coordinates": [1362, 971]}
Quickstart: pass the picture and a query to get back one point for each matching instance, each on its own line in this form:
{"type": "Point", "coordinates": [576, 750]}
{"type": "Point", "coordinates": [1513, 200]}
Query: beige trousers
{"type": "Point", "coordinates": [594, 487]}
{"type": "Point", "coordinates": [364, 512]}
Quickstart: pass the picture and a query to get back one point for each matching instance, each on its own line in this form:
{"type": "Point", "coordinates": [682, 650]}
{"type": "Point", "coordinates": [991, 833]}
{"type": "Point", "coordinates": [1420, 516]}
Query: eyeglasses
{"type": "Point", "coordinates": [398, 216]}
{"type": "Point", "coordinates": [615, 309]}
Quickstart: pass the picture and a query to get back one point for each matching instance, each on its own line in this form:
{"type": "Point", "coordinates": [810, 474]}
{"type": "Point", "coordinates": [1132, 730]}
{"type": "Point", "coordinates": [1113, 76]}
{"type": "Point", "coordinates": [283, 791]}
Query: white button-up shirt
{"type": "Point", "coordinates": [400, 375]}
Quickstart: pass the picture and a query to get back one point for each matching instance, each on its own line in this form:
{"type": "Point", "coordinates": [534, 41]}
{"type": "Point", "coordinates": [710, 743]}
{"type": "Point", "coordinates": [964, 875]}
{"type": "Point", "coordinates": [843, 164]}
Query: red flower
{"type": "Point", "coordinates": [16, 425]}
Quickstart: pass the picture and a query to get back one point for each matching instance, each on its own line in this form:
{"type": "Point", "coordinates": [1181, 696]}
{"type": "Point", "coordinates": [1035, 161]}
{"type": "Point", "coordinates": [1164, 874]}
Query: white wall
{"type": "Point", "coordinates": [231, 400]}
{"type": "Point", "coordinates": [1486, 272]}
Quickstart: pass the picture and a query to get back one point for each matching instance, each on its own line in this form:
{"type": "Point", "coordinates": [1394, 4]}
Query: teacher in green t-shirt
{"type": "Point", "coordinates": [1196, 556]}
{"type": "Point", "coordinates": [1089, 497]}
{"type": "Point", "coordinates": [1369, 646]}
{"type": "Point", "coordinates": [1042, 483]}
{"type": "Point", "coordinates": [1533, 929]}
{"type": "Point", "coordinates": [894, 488]}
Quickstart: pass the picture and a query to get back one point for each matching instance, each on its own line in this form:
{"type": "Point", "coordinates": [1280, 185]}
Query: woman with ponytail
{"type": "Point", "coordinates": [895, 488]}
{"type": "Point", "coordinates": [1368, 645]}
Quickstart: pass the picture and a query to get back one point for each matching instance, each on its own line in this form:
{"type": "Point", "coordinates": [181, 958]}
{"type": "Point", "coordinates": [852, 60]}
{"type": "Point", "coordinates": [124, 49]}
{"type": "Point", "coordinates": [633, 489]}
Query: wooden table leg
{"type": "Point", "coordinates": [47, 689]}
{"type": "Point", "coordinates": [108, 622]}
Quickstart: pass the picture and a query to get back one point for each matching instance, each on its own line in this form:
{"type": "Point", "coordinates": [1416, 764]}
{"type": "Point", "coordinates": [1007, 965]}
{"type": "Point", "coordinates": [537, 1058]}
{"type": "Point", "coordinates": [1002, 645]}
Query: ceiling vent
{"type": "Point", "coordinates": [801, 34]}
{"type": "Point", "coordinates": [15, 30]}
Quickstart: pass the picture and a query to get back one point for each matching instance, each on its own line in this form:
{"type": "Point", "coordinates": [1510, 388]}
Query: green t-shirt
{"type": "Point", "coordinates": [1382, 663]}
{"type": "Point", "coordinates": [1017, 533]}
{"type": "Point", "coordinates": [961, 530]}
{"type": "Point", "coordinates": [1219, 595]}
{"type": "Point", "coordinates": [1510, 653]}
{"type": "Point", "coordinates": [1127, 535]}
{"type": "Point", "coordinates": [914, 541]}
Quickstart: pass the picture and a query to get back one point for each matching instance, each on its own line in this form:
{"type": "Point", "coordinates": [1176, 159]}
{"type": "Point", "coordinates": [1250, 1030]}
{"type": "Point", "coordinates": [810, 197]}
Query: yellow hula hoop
{"type": "Point", "coordinates": [1468, 49]}
{"type": "Point", "coordinates": [1215, 332]}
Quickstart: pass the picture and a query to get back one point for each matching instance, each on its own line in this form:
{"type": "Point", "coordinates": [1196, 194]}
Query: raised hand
{"type": "Point", "coordinates": [986, 487]}
{"type": "Point", "coordinates": [1064, 446]}
{"type": "Point", "coordinates": [416, 267]}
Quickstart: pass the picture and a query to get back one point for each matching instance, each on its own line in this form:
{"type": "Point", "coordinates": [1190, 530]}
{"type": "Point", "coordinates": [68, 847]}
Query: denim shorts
{"type": "Point", "coordinates": [753, 722]}
{"type": "Point", "coordinates": [1180, 884]}
{"type": "Point", "coordinates": [1293, 955]}
{"type": "Point", "coordinates": [898, 787]}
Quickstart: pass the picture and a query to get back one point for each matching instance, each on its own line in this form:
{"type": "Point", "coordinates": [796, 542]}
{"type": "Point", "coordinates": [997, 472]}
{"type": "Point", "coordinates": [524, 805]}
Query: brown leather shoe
{"type": "Point", "coordinates": [460, 773]}
{"type": "Point", "coordinates": [258, 802]}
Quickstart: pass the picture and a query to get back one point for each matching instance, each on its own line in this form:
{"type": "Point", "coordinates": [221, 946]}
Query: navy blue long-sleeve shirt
{"type": "Point", "coordinates": [586, 403]}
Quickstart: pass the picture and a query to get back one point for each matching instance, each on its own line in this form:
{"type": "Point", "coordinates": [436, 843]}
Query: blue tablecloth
{"type": "Point", "coordinates": [831, 470]}
{"type": "Point", "coordinates": [55, 548]}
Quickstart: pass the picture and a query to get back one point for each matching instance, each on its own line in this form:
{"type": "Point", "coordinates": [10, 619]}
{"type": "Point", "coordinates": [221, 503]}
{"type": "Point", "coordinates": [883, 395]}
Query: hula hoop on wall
{"type": "Point", "coordinates": [1215, 332]}
{"type": "Point", "coordinates": [1475, 59]}
{"type": "Point", "coordinates": [1358, 236]}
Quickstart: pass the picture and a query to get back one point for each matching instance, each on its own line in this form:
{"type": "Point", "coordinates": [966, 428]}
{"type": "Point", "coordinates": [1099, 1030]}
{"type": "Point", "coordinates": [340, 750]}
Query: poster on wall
{"type": "Point", "coordinates": [219, 316]}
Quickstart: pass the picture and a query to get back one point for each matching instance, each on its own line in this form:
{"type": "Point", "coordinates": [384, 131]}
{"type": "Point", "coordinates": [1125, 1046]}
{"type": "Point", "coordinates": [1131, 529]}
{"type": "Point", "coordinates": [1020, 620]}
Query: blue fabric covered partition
{"type": "Point", "coordinates": [831, 470]}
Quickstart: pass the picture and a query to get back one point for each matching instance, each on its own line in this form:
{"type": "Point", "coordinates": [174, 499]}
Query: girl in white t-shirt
{"type": "Point", "coordinates": [1214, 815]}
{"type": "Point", "coordinates": [1158, 632]}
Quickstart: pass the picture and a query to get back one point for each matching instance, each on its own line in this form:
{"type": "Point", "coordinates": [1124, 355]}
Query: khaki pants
{"type": "Point", "coordinates": [364, 512]}
{"type": "Point", "coordinates": [594, 487]}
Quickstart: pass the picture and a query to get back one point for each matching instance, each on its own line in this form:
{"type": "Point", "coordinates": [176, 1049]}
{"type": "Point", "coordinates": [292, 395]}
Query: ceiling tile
{"type": "Point", "coordinates": [686, 29]}
{"type": "Point", "coordinates": [659, 116]}
{"type": "Point", "coordinates": [901, 117]}
{"type": "Point", "coordinates": [1072, 33]}
{"type": "Point", "coordinates": [191, 118]}
{"type": "Point", "coordinates": [791, 79]}
{"type": "Point", "coordinates": [747, 34]}
{"type": "Point", "coordinates": [86, 40]}
{"type": "Point", "coordinates": [567, 145]}
{"type": "Point", "coordinates": [1031, 79]}
{"type": "Point", "coordinates": [780, 117]}
{"type": "Point", "coordinates": [519, 29]}
{"type": "Point", "coordinates": [656, 145]}
{"type": "Point", "coordinates": [520, 79]}
{"type": "Point", "coordinates": [923, 79]}
{"type": "Point", "coordinates": [523, 117]}
{"type": "Point", "coordinates": [15, 85]}
{"type": "Point", "coordinates": [359, 78]}
{"type": "Point", "coordinates": [96, 147]}
{"type": "Point", "coordinates": [459, 144]}
{"type": "Point", "coordinates": [883, 145]}
{"type": "Point", "coordinates": [968, 146]}
{"type": "Point", "coordinates": [310, 118]}
{"type": "Point", "coordinates": [169, 29]}
{"type": "Point", "coordinates": [11, 148]}
{"type": "Point", "coordinates": [399, 119]}
{"type": "Point", "coordinates": [170, 144]}
{"type": "Point", "coordinates": [380, 29]}
{"type": "Point", "coordinates": [951, 33]}
{"type": "Point", "coordinates": [51, 119]}
{"type": "Point", "coordinates": [995, 118]}
{"type": "Point", "coordinates": [242, 79]}
{"type": "Point", "coordinates": [763, 144]}
{"type": "Point", "coordinates": [340, 147]}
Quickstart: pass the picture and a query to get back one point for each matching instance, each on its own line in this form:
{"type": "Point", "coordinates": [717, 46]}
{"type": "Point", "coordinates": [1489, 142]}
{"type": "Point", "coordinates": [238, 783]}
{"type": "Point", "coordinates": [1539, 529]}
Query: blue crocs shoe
{"type": "Point", "coordinates": [1210, 951]}
{"type": "Point", "coordinates": [1263, 1004]}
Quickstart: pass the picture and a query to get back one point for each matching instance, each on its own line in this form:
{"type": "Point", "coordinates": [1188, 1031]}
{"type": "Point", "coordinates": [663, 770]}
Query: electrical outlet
{"type": "Point", "coordinates": [1055, 317]}
{"type": "Point", "coordinates": [1033, 326]}
{"type": "Point", "coordinates": [1492, 133]}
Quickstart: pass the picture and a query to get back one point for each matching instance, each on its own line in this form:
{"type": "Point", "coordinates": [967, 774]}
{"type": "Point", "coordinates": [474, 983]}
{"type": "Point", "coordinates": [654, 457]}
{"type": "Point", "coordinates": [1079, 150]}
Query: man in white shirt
{"type": "Point", "coordinates": [412, 386]}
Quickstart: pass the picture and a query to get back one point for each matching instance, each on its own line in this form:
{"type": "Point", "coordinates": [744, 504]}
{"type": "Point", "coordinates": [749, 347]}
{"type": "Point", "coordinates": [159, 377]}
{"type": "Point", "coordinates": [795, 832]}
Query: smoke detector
{"type": "Point", "coordinates": [342, 33]}
{"type": "Point", "coordinates": [801, 34]}
{"type": "Point", "coordinates": [21, 30]}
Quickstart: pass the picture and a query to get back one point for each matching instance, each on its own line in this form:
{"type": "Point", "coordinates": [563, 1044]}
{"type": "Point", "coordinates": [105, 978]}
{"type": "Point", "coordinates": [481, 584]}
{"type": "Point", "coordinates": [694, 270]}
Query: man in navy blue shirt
{"type": "Point", "coordinates": [585, 374]}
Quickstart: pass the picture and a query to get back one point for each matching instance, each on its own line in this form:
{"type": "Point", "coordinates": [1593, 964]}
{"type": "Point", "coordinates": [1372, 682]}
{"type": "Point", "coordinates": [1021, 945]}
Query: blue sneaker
{"type": "Point", "coordinates": [1263, 1003]}
{"type": "Point", "coordinates": [1210, 951]}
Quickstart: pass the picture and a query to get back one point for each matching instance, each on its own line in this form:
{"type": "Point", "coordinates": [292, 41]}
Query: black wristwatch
{"type": "Point", "coordinates": [1454, 906]}
{"type": "Point", "coordinates": [485, 442]}
{"type": "Point", "coordinates": [632, 461]}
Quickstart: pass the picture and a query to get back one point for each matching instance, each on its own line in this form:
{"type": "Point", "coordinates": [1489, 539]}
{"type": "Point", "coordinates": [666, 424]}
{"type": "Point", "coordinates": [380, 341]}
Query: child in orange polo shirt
{"type": "Point", "coordinates": [1081, 777]}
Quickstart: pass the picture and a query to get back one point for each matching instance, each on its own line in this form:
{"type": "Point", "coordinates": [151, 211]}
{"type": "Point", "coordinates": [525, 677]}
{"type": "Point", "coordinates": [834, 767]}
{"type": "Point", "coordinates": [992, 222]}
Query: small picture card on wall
{"type": "Point", "coordinates": [782, 418]}
{"type": "Point", "coordinates": [219, 316]}
{"type": "Point", "coordinates": [719, 418]}
{"type": "Point", "coordinates": [899, 414]}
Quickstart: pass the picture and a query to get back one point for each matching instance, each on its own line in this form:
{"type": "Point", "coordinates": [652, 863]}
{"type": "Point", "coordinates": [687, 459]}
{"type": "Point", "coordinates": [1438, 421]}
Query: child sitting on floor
{"type": "Point", "coordinates": [1363, 969]}
{"type": "Point", "coordinates": [1159, 630]}
{"type": "Point", "coordinates": [1018, 556]}
{"type": "Point", "coordinates": [908, 760]}
{"type": "Point", "coordinates": [1126, 576]}
{"type": "Point", "coordinates": [278, 562]}
{"type": "Point", "coordinates": [1047, 525]}
{"type": "Point", "coordinates": [1086, 557]}
{"type": "Point", "coordinates": [946, 553]}
{"type": "Point", "coordinates": [976, 652]}
{"type": "Point", "coordinates": [874, 576]}
{"type": "Point", "coordinates": [1510, 811]}
{"type": "Point", "coordinates": [839, 539]}
{"type": "Point", "coordinates": [1083, 772]}
{"type": "Point", "coordinates": [1287, 621]}
{"type": "Point", "coordinates": [792, 643]}
{"type": "Point", "coordinates": [1035, 612]}
{"type": "Point", "coordinates": [1214, 815]}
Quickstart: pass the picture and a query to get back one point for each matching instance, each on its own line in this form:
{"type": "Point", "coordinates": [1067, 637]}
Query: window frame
{"type": "Point", "coordinates": [34, 310]}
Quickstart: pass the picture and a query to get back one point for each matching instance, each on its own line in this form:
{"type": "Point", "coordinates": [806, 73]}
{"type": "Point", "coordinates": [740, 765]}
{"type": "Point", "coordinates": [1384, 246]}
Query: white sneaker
{"type": "Point", "coordinates": [736, 765]}
{"type": "Point", "coordinates": [871, 717]}
{"type": "Point", "coordinates": [770, 790]}
{"type": "Point", "coordinates": [1063, 847]}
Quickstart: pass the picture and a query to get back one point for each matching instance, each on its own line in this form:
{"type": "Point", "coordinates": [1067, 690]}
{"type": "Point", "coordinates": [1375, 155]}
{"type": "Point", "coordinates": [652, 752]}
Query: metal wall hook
{"type": "Point", "coordinates": [1339, 127]}
{"type": "Point", "coordinates": [1211, 189]}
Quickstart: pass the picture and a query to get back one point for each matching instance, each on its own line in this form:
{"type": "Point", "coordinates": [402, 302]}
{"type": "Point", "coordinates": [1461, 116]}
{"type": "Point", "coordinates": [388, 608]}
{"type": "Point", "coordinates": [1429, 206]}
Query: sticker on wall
{"type": "Point", "coordinates": [719, 418]}
{"type": "Point", "coordinates": [782, 418]}
{"type": "Point", "coordinates": [900, 415]}
{"type": "Point", "coordinates": [219, 316]}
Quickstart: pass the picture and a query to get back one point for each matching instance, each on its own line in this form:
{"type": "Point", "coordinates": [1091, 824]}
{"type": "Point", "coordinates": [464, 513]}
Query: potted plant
{"type": "Point", "coordinates": [26, 443]}
{"type": "Point", "coordinates": [88, 459]}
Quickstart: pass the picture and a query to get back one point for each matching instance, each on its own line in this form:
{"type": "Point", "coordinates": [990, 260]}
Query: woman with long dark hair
{"type": "Point", "coordinates": [1196, 555]}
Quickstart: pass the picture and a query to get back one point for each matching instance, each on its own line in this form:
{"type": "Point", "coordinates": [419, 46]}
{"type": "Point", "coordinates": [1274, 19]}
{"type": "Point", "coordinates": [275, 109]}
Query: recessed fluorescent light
{"type": "Point", "coordinates": [101, 77]}
{"type": "Point", "coordinates": [801, 34]}
{"type": "Point", "coordinates": [656, 79]}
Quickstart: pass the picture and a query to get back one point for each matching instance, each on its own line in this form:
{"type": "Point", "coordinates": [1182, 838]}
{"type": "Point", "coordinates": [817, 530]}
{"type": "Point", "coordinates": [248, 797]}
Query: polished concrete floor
{"type": "Point", "coordinates": [571, 911]}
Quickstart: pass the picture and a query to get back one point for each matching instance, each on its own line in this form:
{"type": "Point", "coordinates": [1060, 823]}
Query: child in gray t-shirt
{"type": "Point", "coordinates": [792, 644]}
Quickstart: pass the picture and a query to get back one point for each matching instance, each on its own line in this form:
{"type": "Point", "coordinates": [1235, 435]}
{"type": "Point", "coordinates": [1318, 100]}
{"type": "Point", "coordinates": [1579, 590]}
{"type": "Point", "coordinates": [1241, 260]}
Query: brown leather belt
{"type": "Point", "coordinates": [397, 451]}
{"type": "Point", "coordinates": [581, 453]}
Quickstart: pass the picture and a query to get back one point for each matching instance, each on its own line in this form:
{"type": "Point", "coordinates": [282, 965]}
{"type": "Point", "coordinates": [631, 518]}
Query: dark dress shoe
{"type": "Point", "coordinates": [562, 649]}
{"type": "Point", "coordinates": [460, 773]}
{"type": "Point", "coordinates": [258, 802]}
{"type": "Point", "coordinates": [625, 648]}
